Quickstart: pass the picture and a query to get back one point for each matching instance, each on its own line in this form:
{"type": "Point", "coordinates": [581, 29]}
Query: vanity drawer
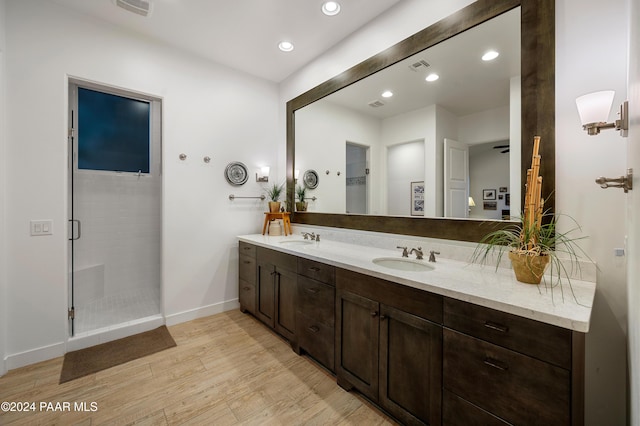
{"type": "Point", "coordinates": [543, 341]}
{"type": "Point", "coordinates": [458, 412]}
{"type": "Point", "coordinates": [247, 296]}
{"type": "Point", "coordinates": [281, 260]}
{"type": "Point", "coordinates": [411, 300]}
{"type": "Point", "coordinates": [316, 300]}
{"type": "Point", "coordinates": [247, 249]}
{"type": "Point", "coordinates": [317, 339]}
{"type": "Point", "coordinates": [316, 270]}
{"type": "Point", "coordinates": [247, 266]}
{"type": "Point", "coordinates": [515, 387]}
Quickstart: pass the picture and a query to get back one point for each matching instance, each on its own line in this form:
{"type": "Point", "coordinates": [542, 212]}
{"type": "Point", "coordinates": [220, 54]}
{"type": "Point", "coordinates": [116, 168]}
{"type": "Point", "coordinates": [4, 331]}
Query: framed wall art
{"type": "Point", "coordinates": [488, 194]}
{"type": "Point", "coordinates": [417, 198]}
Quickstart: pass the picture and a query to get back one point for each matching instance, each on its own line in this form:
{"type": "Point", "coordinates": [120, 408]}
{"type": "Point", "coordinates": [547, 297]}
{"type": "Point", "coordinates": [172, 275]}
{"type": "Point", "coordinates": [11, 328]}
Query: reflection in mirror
{"type": "Point", "coordinates": [384, 143]}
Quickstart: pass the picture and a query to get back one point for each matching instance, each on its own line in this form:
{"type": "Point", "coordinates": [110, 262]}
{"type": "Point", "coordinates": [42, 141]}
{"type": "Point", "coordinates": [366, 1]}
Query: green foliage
{"type": "Point", "coordinates": [540, 238]}
{"type": "Point", "coordinates": [274, 191]}
{"type": "Point", "coordinates": [301, 192]}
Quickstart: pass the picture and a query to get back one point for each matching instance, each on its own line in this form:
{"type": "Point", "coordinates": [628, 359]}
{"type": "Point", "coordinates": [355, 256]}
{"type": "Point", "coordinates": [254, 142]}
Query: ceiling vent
{"type": "Point", "coordinates": [416, 66]}
{"type": "Point", "coordinates": [140, 7]}
{"type": "Point", "coordinates": [376, 104]}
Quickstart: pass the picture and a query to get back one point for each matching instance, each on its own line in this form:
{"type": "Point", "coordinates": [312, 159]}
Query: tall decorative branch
{"type": "Point", "coordinates": [533, 201]}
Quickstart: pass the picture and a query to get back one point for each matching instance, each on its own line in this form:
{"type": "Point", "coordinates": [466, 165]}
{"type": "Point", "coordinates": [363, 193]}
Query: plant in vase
{"type": "Point", "coordinates": [301, 192]}
{"type": "Point", "coordinates": [534, 242]}
{"type": "Point", "coordinates": [273, 193]}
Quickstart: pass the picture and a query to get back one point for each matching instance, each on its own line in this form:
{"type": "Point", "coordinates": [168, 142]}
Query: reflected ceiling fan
{"type": "Point", "coordinates": [503, 148]}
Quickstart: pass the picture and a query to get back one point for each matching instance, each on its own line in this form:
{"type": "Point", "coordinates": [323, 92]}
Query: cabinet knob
{"type": "Point", "coordinates": [374, 313]}
{"type": "Point", "coordinates": [246, 262]}
{"type": "Point", "coordinates": [314, 269]}
{"type": "Point", "coordinates": [383, 317]}
{"type": "Point", "coordinates": [314, 329]}
{"type": "Point", "coordinates": [312, 290]}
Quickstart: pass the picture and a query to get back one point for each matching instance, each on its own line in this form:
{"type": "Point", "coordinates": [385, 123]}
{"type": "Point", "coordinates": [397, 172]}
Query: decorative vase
{"type": "Point", "coordinates": [274, 206]}
{"type": "Point", "coordinates": [301, 206]}
{"type": "Point", "coordinates": [528, 268]}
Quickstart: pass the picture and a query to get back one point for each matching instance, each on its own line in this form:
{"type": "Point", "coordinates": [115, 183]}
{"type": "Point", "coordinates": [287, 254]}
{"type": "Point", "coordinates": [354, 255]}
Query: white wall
{"type": "Point", "coordinates": [633, 207]}
{"type": "Point", "coordinates": [583, 26]}
{"type": "Point", "coordinates": [208, 110]}
{"type": "Point", "coordinates": [323, 130]}
{"type": "Point", "coordinates": [405, 164]}
{"type": "Point", "coordinates": [487, 126]}
{"type": "Point", "coordinates": [3, 168]}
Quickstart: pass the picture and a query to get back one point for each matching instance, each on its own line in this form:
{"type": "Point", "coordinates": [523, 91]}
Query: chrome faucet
{"type": "Point", "coordinates": [308, 236]}
{"type": "Point", "coordinates": [432, 255]}
{"type": "Point", "coordinates": [405, 253]}
{"type": "Point", "coordinates": [418, 252]}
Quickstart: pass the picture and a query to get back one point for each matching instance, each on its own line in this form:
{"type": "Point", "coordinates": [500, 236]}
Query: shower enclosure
{"type": "Point", "coordinates": [115, 190]}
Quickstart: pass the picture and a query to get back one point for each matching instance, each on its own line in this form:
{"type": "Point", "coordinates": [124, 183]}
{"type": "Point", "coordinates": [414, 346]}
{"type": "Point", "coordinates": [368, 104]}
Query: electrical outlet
{"type": "Point", "coordinates": [41, 227]}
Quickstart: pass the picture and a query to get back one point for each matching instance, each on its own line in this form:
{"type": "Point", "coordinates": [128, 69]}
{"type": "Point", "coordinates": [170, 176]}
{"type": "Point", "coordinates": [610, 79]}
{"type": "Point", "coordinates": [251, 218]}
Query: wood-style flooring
{"type": "Point", "coordinates": [227, 369]}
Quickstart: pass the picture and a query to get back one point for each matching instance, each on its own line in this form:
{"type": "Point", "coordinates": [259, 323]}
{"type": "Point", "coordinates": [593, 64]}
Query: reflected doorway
{"type": "Point", "coordinates": [357, 178]}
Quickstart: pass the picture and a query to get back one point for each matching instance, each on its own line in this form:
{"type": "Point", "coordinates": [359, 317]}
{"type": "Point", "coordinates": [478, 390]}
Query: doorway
{"type": "Point", "coordinates": [115, 204]}
{"type": "Point", "coordinates": [357, 178]}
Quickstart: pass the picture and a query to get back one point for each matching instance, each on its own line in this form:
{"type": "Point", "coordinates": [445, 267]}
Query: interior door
{"type": "Point", "coordinates": [456, 179]}
{"type": "Point", "coordinates": [633, 222]}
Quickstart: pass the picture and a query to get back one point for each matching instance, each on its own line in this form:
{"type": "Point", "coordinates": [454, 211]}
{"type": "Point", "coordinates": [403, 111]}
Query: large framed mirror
{"type": "Point", "coordinates": [520, 95]}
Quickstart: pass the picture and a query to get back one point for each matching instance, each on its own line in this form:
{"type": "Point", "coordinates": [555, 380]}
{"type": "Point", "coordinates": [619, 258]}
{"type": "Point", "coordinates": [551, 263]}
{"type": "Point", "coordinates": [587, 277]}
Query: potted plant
{"type": "Point", "coordinates": [301, 192]}
{"type": "Point", "coordinates": [531, 247]}
{"type": "Point", "coordinates": [273, 193]}
{"type": "Point", "coordinates": [535, 241]}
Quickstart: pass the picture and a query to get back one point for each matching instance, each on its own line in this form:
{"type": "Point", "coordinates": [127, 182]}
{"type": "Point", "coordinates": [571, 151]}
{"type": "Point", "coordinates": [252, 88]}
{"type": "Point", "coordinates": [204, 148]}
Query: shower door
{"type": "Point", "coordinates": [115, 191]}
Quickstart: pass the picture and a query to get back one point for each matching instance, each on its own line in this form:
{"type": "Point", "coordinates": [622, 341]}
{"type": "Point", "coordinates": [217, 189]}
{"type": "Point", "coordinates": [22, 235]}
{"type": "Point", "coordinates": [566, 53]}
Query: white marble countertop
{"type": "Point", "coordinates": [566, 305]}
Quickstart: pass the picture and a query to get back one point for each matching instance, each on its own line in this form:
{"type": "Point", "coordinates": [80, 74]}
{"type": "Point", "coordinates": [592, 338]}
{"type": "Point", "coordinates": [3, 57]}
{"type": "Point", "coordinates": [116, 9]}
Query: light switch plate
{"type": "Point", "coordinates": [41, 227]}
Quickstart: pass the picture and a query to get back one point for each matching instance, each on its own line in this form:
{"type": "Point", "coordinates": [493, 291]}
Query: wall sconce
{"type": "Point", "coordinates": [296, 173]}
{"type": "Point", "coordinates": [594, 111]}
{"type": "Point", "coordinates": [264, 174]}
{"type": "Point", "coordinates": [471, 203]}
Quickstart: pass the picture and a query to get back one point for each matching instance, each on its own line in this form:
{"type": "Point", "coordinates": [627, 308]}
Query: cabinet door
{"type": "Point", "coordinates": [286, 292]}
{"type": "Point", "coordinates": [357, 342]}
{"type": "Point", "coordinates": [410, 367]}
{"type": "Point", "coordinates": [266, 297]}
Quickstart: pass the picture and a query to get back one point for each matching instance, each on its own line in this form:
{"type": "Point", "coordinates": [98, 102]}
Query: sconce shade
{"type": "Point", "coordinates": [595, 107]}
{"type": "Point", "coordinates": [471, 202]}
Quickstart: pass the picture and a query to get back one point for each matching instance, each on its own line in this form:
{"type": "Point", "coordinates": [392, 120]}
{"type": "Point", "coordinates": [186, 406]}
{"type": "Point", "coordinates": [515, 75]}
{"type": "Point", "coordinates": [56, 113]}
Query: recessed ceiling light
{"type": "Point", "coordinates": [432, 77]}
{"type": "Point", "coordinates": [285, 46]}
{"type": "Point", "coordinates": [387, 94]}
{"type": "Point", "coordinates": [490, 55]}
{"type": "Point", "coordinates": [331, 8]}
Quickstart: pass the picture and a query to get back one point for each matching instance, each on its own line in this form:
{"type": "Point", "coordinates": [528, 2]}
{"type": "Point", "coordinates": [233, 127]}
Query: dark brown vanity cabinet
{"type": "Point", "coordinates": [316, 311]}
{"type": "Point", "coordinates": [247, 277]}
{"type": "Point", "coordinates": [391, 351]}
{"type": "Point", "coordinates": [509, 370]}
{"type": "Point", "coordinates": [422, 357]}
{"type": "Point", "coordinates": [276, 291]}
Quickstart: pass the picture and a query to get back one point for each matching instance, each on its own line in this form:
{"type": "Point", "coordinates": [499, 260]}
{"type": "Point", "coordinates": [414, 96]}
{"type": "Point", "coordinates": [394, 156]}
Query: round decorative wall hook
{"type": "Point", "coordinates": [183, 157]}
{"type": "Point", "coordinates": [207, 159]}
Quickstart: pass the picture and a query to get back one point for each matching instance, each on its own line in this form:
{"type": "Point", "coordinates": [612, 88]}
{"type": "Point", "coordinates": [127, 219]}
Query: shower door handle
{"type": "Point", "coordinates": [72, 229]}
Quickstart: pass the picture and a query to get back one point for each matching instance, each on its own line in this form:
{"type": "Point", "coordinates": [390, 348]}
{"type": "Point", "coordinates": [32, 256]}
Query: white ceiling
{"type": "Point", "coordinates": [243, 34]}
{"type": "Point", "coordinates": [467, 84]}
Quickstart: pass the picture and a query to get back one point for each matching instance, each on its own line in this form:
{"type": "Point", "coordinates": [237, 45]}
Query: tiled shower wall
{"type": "Point", "coordinates": [120, 245]}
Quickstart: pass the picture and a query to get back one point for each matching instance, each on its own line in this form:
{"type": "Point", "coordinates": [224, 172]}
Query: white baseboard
{"type": "Point", "coordinates": [203, 311]}
{"type": "Point", "coordinates": [34, 355]}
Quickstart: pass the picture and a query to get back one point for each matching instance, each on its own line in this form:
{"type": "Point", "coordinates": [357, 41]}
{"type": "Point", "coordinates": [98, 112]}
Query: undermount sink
{"type": "Point", "coordinates": [402, 264]}
{"type": "Point", "coordinates": [296, 242]}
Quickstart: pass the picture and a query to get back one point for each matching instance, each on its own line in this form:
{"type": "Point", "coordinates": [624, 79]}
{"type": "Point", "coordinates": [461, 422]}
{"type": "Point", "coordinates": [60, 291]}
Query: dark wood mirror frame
{"type": "Point", "coordinates": [538, 114]}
